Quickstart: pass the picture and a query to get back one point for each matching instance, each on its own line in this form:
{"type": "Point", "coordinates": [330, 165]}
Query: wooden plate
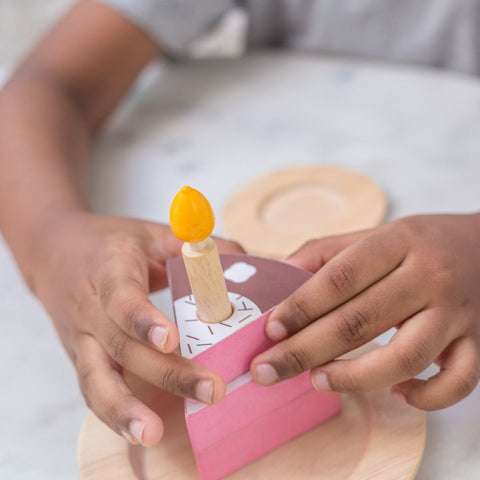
{"type": "Point", "coordinates": [374, 438]}
{"type": "Point", "coordinates": [275, 214]}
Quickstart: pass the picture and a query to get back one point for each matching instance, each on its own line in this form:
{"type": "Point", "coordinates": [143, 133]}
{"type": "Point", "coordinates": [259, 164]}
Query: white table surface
{"type": "Point", "coordinates": [215, 126]}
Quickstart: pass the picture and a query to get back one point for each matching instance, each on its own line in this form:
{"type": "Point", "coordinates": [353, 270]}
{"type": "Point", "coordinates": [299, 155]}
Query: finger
{"type": "Point", "coordinates": [228, 246]}
{"type": "Point", "coordinates": [162, 244]}
{"type": "Point", "coordinates": [167, 245]}
{"type": "Point", "coordinates": [122, 288]}
{"type": "Point", "coordinates": [108, 396]}
{"type": "Point", "coordinates": [157, 276]}
{"type": "Point", "coordinates": [345, 276]}
{"type": "Point", "coordinates": [415, 346]}
{"type": "Point", "coordinates": [170, 372]}
{"type": "Point", "coordinates": [315, 253]}
{"type": "Point", "coordinates": [458, 377]}
{"type": "Point", "coordinates": [355, 323]}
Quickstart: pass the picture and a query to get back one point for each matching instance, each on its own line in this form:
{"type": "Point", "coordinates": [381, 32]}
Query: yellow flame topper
{"type": "Point", "coordinates": [191, 216]}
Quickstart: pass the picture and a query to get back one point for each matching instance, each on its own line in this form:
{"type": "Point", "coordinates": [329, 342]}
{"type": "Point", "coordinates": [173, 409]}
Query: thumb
{"type": "Point", "coordinates": [228, 246]}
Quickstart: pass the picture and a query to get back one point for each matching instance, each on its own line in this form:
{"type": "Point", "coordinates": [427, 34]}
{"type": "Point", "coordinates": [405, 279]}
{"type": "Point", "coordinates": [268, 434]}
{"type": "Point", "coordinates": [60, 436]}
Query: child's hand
{"type": "Point", "coordinates": [93, 275]}
{"type": "Point", "coordinates": [419, 274]}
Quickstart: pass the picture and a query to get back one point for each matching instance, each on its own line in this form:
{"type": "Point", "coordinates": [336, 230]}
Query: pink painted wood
{"type": "Point", "coordinates": [251, 420]}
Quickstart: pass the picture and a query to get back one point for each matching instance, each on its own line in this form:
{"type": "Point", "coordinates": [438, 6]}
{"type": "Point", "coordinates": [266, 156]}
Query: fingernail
{"type": "Point", "coordinates": [136, 428]}
{"type": "Point", "coordinates": [204, 391]}
{"type": "Point", "coordinates": [128, 437]}
{"type": "Point", "coordinates": [276, 331]}
{"type": "Point", "coordinates": [158, 337]}
{"type": "Point", "coordinates": [265, 374]}
{"type": "Point", "coordinates": [320, 382]}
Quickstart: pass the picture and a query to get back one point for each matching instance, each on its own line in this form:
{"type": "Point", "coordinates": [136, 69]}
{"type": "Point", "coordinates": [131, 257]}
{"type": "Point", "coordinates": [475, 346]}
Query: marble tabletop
{"type": "Point", "coordinates": [216, 125]}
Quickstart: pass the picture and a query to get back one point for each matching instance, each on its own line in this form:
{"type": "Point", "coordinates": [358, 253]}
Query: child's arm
{"type": "Point", "coordinates": [48, 112]}
{"type": "Point", "coordinates": [91, 273]}
{"type": "Point", "coordinates": [419, 274]}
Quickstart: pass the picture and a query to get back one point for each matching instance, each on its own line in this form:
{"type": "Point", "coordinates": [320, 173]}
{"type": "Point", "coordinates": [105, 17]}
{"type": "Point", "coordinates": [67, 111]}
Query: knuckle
{"type": "Point", "coordinates": [428, 401]}
{"type": "Point", "coordinates": [130, 317]}
{"type": "Point", "coordinates": [106, 290]}
{"type": "Point", "coordinates": [134, 319]}
{"type": "Point", "coordinates": [442, 277]}
{"type": "Point", "coordinates": [119, 347]}
{"type": "Point", "coordinates": [410, 227]}
{"type": "Point", "coordinates": [108, 412]}
{"type": "Point", "coordinates": [141, 327]}
{"type": "Point", "coordinates": [296, 361]}
{"type": "Point", "coordinates": [353, 327]}
{"type": "Point", "coordinates": [119, 243]}
{"type": "Point", "coordinates": [111, 413]}
{"type": "Point", "coordinates": [341, 276]}
{"type": "Point", "coordinates": [168, 380]}
{"type": "Point", "coordinates": [464, 383]}
{"type": "Point", "coordinates": [347, 383]}
{"type": "Point", "coordinates": [412, 361]}
{"type": "Point", "coordinates": [301, 316]}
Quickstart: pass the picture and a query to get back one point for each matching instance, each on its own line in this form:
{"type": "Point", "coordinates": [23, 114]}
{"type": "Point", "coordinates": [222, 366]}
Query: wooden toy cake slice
{"type": "Point", "coordinates": [220, 307]}
{"type": "Point", "coordinates": [251, 420]}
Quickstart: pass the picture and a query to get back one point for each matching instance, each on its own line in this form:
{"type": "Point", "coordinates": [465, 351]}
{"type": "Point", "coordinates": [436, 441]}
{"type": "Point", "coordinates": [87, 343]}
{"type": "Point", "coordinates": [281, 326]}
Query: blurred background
{"type": "Point", "coordinates": [22, 22]}
{"type": "Point", "coordinates": [423, 149]}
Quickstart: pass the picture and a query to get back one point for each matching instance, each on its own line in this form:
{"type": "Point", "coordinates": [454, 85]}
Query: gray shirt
{"type": "Point", "coordinates": [440, 33]}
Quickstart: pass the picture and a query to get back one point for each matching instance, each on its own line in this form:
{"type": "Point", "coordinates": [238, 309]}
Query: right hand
{"type": "Point", "coordinates": [93, 275]}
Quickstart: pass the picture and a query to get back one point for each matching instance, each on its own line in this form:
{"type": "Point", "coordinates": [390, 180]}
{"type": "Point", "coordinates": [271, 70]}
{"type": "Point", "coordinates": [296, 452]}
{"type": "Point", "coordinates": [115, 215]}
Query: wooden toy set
{"type": "Point", "coordinates": [251, 420]}
{"type": "Point", "coordinates": [221, 303]}
{"type": "Point", "coordinates": [225, 335]}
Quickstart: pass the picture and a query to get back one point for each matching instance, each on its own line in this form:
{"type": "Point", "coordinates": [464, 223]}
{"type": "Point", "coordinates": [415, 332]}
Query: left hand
{"type": "Point", "coordinates": [419, 274]}
{"type": "Point", "coordinates": [93, 274]}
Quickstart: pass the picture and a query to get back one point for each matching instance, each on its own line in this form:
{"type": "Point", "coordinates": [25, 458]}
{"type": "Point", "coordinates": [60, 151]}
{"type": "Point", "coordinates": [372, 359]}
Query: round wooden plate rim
{"type": "Point", "coordinates": [243, 215]}
{"type": "Point", "coordinates": [390, 453]}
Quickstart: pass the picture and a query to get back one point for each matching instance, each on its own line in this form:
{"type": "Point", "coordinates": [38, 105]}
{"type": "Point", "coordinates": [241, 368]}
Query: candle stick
{"type": "Point", "coordinates": [192, 221]}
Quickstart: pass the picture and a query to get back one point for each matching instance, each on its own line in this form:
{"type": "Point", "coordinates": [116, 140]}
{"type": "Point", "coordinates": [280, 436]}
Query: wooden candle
{"type": "Point", "coordinates": [192, 221]}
